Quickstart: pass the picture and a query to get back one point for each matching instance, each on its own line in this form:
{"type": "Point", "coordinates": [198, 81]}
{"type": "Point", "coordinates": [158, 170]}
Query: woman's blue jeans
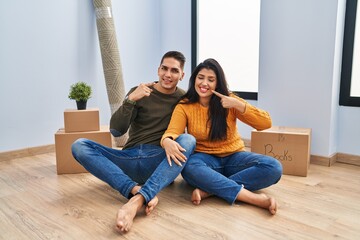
{"type": "Point", "coordinates": [226, 176]}
{"type": "Point", "coordinates": [144, 165]}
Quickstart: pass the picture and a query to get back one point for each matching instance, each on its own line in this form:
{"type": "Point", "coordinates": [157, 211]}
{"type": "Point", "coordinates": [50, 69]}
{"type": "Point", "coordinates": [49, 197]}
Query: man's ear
{"type": "Point", "coordinates": [182, 77]}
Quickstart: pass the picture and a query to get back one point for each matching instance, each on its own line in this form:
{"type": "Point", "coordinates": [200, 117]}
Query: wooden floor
{"type": "Point", "coordinates": [36, 203]}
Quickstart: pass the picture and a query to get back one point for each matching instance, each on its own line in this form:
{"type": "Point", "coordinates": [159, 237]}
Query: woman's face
{"type": "Point", "coordinates": [205, 82]}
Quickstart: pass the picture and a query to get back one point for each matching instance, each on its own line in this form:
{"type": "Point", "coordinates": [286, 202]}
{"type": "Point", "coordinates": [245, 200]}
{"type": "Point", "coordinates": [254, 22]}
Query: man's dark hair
{"type": "Point", "coordinates": [177, 55]}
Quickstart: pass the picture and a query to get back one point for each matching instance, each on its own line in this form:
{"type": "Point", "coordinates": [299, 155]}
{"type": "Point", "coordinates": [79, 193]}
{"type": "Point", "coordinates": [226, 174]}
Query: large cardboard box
{"type": "Point", "coordinates": [81, 120]}
{"type": "Point", "coordinates": [65, 162]}
{"type": "Point", "coordinates": [291, 146]}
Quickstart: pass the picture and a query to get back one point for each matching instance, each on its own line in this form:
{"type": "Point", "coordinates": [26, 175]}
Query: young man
{"type": "Point", "coordinates": [146, 110]}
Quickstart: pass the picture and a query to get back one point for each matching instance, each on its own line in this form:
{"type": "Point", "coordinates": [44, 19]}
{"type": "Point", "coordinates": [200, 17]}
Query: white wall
{"type": "Point", "coordinates": [296, 66]}
{"type": "Point", "coordinates": [349, 130]}
{"type": "Point", "coordinates": [47, 45]}
{"type": "Point", "coordinates": [175, 25]}
{"type": "Point", "coordinates": [300, 56]}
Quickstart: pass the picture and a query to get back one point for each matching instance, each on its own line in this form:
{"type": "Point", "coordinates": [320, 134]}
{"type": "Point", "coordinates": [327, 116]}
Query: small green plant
{"type": "Point", "coordinates": [80, 91]}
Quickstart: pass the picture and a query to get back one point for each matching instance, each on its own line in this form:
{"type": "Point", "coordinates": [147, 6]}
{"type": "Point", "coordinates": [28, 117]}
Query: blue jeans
{"type": "Point", "coordinates": [124, 169]}
{"type": "Point", "coordinates": [226, 176]}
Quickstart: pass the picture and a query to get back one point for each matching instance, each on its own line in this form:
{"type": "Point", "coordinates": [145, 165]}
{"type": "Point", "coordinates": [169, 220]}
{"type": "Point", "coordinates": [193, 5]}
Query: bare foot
{"type": "Point", "coordinates": [272, 205]}
{"type": "Point", "coordinates": [197, 195]}
{"type": "Point", "coordinates": [267, 202]}
{"type": "Point", "coordinates": [135, 189]}
{"type": "Point", "coordinates": [127, 213]}
{"type": "Point", "coordinates": [260, 200]}
{"type": "Point", "coordinates": [151, 205]}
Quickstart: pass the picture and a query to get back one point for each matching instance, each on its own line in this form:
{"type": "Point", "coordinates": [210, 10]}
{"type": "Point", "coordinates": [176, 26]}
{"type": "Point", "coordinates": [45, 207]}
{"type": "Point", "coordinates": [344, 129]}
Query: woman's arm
{"type": "Point", "coordinates": [253, 116]}
{"type": "Point", "coordinates": [245, 112]}
{"type": "Point", "coordinates": [175, 128]}
{"type": "Point", "coordinates": [177, 124]}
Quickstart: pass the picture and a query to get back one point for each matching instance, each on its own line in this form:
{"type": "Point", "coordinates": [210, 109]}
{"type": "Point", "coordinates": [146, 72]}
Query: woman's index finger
{"type": "Point", "coordinates": [218, 94]}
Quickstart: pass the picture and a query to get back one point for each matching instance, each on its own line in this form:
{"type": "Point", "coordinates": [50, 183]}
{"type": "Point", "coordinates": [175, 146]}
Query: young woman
{"type": "Point", "coordinates": [220, 165]}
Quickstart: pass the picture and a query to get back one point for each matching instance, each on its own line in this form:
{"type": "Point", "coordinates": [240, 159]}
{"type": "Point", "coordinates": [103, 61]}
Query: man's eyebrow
{"type": "Point", "coordinates": [177, 68]}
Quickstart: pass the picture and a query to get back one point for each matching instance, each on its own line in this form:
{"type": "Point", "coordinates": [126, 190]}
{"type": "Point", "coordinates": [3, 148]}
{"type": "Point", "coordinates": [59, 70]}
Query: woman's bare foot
{"type": "Point", "coordinates": [127, 213]}
{"type": "Point", "coordinates": [198, 195]}
{"type": "Point", "coordinates": [260, 200]}
{"type": "Point", "coordinates": [270, 203]}
{"type": "Point", "coordinates": [266, 202]}
{"type": "Point", "coordinates": [151, 205]}
{"type": "Point", "coordinates": [273, 206]}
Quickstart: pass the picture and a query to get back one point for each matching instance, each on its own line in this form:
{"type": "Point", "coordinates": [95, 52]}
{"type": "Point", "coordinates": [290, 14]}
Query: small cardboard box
{"type": "Point", "coordinates": [291, 146]}
{"type": "Point", "coordinates": [81, 120]}
{"type": "Point", "coordinates": [65, 162]}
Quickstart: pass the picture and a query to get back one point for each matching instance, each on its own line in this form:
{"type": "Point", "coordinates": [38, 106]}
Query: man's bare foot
{"type": "Point", "coordinates": [135, 189]}
{"type": "Point", "coordinates": [151, 205]}
{"type": "Point", "coordinates": [127, 213]}
{"type": "Point", "coordinates": [198, 195]}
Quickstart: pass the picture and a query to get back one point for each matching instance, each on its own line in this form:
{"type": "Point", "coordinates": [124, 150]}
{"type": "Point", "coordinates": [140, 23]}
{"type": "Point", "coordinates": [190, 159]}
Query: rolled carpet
{"type": "Point", "coordinates": [110, 58]}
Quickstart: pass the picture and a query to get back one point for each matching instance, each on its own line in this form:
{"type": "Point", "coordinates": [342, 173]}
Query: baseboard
{"type": "Point", "coordinates": [348, 158]}
{"type": "Point", "coordinates": [324, 161]}
{"type": "Point", "coordinates": [337, 157]}
{"type": "Point", "coordinates": [26, 152]}
{"type": "Point", "coordinates": [314, 159]}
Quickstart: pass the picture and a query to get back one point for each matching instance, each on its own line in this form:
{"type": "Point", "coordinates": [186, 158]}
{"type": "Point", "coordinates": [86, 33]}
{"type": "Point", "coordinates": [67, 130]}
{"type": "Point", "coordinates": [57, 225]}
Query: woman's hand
{"type": "Point", "coordinates": [230, 102]}
{"type": "Point", "coordinates": [174, 151]}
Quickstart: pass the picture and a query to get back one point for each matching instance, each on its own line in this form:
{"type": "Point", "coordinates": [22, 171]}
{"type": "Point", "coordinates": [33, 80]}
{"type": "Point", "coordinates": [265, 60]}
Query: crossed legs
{"type": "Point", "coordinates": [161, 177]}
{"type": "Point", "coordinates": [233, 178]}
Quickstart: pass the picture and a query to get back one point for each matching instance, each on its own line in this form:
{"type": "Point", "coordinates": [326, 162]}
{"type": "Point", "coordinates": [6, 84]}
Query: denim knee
{"type": "Point", "coordinates": [190, 173]}
{"type": "Point", "coordinates": [187, 141]}
{"type": "Point", "coordinates": [77, 147]}
{"type": "Point", "coordinates": [277, 169]}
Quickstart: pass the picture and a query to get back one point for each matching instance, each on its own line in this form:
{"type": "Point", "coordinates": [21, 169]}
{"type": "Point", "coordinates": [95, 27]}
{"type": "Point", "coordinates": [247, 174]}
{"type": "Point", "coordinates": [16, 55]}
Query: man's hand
{"type": "Point", "coordinates": [230, 102]}
{"type": "Point", "coordinates": [174, 151]}
{"type": "Point", "coordinates": [141, 91]}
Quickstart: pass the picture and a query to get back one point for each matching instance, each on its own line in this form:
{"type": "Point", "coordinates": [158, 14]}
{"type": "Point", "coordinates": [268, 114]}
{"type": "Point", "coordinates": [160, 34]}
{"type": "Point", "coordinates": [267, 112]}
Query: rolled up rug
{"type": "Point", "coordinates": [110, 58]}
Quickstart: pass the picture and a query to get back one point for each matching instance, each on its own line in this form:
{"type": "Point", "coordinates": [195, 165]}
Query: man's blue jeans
{"type": "Point", "coordinates": [124, 169]}
{"type": "Point", "coordinates": [226, 176]}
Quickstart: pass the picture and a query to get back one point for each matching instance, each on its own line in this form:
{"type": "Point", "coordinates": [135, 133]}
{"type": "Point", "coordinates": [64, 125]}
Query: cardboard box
{"type": "Point", "coordinates": [65, 162]}
{"type": "Point", "coordinates": [291, 146]}
{"type": "Point", "coordinates": [81, 120]}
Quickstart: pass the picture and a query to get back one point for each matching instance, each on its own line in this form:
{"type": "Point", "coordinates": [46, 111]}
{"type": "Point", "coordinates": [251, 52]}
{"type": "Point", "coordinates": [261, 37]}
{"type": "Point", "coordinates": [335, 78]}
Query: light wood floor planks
{"type": "Point", "coordinates": [36, 203]}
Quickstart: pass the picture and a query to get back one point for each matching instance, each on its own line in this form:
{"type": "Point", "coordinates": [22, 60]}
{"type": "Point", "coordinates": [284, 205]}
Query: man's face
{"type": "Point", "coordinates": [170, 73]}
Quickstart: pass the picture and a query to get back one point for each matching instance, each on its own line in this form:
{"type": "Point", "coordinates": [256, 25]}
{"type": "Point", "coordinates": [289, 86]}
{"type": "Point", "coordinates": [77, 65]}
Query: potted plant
{"type": "Point", "coordinates": [80, 92]}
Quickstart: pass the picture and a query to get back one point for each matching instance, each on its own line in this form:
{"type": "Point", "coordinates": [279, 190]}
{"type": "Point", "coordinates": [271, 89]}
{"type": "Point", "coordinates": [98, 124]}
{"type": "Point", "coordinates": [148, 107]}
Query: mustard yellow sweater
{"type": "Point", "coordinates": [194, 117]}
